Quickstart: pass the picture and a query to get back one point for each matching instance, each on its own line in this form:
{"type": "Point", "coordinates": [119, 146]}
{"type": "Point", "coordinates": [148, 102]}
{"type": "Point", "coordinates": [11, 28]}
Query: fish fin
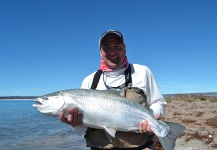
{"type": "Point", "coordinates": [168, 142]}
{"type": "Point", "coordinates": [110, 133]}
{"type": "Point", "coordinates": [68, 108]}
{"type": "Point", "coordinates": [80, 130]}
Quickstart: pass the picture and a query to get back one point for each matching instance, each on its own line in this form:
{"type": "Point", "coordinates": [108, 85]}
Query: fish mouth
{"type": "Point", "coordinates": [39, 104]}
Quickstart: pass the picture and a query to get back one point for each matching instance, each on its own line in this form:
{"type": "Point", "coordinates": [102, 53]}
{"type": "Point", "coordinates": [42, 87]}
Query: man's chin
{"type": "Point", "coordinates": [113, 66]}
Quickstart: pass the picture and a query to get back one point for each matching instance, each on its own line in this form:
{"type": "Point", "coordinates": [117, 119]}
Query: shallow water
{"type": "Point", "coordinates": [24, 127]}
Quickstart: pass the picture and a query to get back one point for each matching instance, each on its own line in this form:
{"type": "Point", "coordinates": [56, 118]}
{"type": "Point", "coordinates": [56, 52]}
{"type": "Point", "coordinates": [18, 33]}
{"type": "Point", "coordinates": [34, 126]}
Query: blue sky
{"type": "Point", "coordinates": [51, 45]}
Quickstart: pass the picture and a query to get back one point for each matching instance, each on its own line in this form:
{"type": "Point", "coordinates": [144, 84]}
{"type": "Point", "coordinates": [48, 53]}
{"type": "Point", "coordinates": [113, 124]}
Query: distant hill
{"type": "Point", "coordinates": [18, 97]}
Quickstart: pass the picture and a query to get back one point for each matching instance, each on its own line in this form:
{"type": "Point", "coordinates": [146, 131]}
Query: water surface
{"type": "Point", "coordinates": [24, 127]}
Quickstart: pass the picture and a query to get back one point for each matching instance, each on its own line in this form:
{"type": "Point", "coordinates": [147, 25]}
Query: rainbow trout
{"type": "Point", "coordinates": [109, 111]}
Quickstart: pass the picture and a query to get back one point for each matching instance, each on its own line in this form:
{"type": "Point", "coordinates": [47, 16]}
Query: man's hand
{"type": "Point", "coordinates": [74, 118]}
{"type": "Point", "coordinates": [144, 127]}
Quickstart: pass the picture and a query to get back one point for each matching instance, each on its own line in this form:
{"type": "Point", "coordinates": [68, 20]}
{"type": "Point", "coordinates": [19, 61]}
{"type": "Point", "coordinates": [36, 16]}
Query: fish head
{"type": "Point", "coordinates": [50, 104]}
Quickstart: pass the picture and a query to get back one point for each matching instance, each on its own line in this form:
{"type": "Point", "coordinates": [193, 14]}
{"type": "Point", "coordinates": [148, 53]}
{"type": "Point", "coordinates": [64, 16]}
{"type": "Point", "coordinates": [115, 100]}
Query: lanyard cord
{"type": "Point", "coordinates": [128, 80]}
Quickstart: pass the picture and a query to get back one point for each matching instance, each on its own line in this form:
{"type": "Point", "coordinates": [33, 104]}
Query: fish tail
{"type": "Point", "coordinates": [168, 142]}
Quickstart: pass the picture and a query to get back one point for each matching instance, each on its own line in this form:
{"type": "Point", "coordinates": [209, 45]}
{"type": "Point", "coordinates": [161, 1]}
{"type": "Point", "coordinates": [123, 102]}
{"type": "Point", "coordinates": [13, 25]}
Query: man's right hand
{"type": "Point", "coordinates": [74, 118]}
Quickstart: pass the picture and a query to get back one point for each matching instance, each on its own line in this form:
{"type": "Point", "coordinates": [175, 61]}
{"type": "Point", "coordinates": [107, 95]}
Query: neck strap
{"type": "Point", "coordinates": [128, 79]}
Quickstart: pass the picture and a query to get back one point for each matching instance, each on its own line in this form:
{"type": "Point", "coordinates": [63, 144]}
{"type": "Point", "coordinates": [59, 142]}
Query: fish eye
{"type": "Point", "coordinates": [45, 98]}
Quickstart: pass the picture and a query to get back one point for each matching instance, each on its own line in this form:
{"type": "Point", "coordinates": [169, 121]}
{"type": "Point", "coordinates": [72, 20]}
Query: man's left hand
{"type": "Point", "coordinates": [144, 127]}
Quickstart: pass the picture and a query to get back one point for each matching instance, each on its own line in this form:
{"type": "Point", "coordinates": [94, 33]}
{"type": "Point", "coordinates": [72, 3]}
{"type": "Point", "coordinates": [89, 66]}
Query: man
{"type": "Point", "coordinates": [138, 84]}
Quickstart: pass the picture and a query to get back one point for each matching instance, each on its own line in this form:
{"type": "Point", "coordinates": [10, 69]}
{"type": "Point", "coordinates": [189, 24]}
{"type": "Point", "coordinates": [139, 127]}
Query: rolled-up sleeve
{"type": "Point", "coordinates": [155, 99]}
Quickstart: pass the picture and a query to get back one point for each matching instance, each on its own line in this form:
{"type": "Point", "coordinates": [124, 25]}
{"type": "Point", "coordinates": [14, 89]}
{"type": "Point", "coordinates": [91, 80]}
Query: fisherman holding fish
{"type": "Point", "coordinates": [133, 81]}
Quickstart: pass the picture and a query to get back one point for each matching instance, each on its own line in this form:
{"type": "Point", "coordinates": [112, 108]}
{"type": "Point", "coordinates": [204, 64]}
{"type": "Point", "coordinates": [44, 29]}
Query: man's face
{"type": "Point", "coordinates": [112, 51]}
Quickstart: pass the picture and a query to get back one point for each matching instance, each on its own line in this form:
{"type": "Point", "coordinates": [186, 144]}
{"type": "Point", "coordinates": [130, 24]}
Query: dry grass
{"type": "Point", "coordinates": [191, 98]}
{"type": "Point", "coordinates": [212, 122]}
{"type": "Point", "coordinates": [187, 121]}
{"type": "Point", "coordinates": [177, 114]}
{"type": "Point", "coordinates": [208, 138]}
{"type": "Point", "coordinates": [213, 99]}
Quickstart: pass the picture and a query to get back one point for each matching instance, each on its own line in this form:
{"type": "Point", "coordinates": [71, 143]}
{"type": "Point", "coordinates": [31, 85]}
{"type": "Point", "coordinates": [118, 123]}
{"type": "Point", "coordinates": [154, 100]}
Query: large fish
{"type": "Point", "coordinates": [109, 111]}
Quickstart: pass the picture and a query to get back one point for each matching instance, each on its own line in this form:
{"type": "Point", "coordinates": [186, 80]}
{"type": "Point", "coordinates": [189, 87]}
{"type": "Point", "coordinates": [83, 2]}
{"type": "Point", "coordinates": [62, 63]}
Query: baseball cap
{"type": "Point", "coordinates": [111, 31]}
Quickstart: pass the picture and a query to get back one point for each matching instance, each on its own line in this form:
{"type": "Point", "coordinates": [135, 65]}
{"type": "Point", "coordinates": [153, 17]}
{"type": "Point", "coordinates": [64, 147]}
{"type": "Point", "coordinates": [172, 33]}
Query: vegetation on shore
{"type": "Point", "coordinates": [191, 98]}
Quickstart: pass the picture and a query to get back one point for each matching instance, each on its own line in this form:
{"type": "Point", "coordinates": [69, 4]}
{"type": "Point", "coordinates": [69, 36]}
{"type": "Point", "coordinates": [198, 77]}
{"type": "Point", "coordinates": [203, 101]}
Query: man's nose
{"type": "Point", "coordinates": [112, 50]}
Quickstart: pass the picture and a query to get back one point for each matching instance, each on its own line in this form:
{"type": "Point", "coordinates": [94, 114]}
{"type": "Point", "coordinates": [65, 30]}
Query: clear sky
{"type": "Point", "coordinates": [51, 45]}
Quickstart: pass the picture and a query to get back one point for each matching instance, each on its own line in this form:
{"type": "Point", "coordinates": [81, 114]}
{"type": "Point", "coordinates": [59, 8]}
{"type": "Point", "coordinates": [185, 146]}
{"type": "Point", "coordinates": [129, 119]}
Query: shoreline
{"type": "Point", "coordinates": [18, 97]}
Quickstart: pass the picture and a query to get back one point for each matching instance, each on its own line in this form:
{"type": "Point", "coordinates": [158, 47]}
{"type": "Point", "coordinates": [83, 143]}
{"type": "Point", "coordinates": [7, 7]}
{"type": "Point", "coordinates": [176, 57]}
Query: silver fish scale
{"type": "Point", "coordinates": [96, 104]}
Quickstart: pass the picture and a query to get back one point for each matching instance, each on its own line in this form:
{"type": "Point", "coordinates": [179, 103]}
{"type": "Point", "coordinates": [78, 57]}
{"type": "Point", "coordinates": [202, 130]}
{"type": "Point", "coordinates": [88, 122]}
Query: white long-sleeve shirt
{"type": "Point", "coordinates": [142, 78]}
